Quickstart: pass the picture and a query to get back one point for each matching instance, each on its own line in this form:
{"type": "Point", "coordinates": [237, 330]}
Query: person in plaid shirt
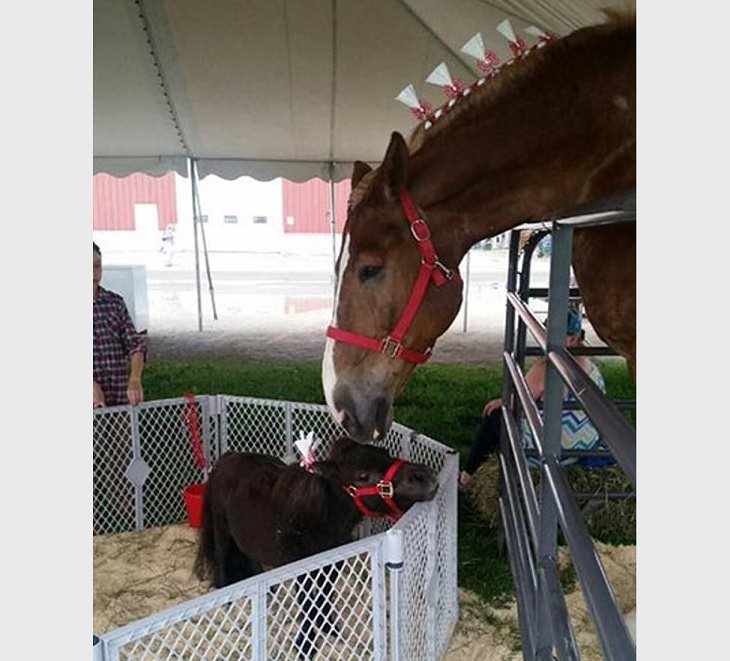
{"type": "Point", "coordinates": [119, 349]}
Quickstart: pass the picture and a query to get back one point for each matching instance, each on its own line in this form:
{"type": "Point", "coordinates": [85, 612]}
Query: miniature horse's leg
{"type": "Point", "coordinates": [222, 545]}
{"type": "Point", "coordinates": [232, 565]}
{"type": "Point", "coordinates": [240, 566]}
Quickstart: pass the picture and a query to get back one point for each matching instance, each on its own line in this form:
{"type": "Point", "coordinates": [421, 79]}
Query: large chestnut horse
{"type": "Point", "coordinates": [546, 134]}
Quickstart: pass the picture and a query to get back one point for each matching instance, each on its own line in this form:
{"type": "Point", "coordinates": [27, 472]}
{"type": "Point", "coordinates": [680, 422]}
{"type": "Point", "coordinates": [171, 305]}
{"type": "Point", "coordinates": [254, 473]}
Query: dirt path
{"type": "Point", "coordinates": [301, 344]}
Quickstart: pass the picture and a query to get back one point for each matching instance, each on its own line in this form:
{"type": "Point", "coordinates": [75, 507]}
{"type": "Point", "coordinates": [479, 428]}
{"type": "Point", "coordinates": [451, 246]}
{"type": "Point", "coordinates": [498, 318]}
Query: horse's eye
{"type": "Point", "coordinates": [369, 272]}
{"type": "Point", "coordinates": [363, 476]}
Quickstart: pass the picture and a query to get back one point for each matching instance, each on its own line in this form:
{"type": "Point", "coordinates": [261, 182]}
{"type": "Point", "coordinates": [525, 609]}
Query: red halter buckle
{"type": "Point", "coordinates": [432, 269]}
{"type": "Point", "coordinates": [391, 348]}
{"type": "Point", "coordinates": [420, 230]}
{"type": "Point", "coordinates": [385, 489]}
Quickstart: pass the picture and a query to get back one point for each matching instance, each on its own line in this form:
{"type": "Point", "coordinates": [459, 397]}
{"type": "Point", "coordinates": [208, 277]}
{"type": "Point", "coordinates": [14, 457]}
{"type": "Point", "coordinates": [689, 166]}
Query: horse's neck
{"type": "Point", "coordinates": [531, 192]}
{"type": "Point", "coordinates": [541, 147]}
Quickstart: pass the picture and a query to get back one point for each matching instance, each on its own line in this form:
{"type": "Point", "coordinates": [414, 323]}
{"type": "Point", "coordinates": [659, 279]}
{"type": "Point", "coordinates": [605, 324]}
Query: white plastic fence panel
{"type": "Point", "coordinates": [331, 605]}
{"type": "Point", "coordinates": [143, 460]}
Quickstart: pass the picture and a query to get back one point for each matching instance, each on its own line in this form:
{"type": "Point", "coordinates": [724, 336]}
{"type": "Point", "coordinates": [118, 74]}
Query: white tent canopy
{"type": "Point", "coordinates": [292, 88]}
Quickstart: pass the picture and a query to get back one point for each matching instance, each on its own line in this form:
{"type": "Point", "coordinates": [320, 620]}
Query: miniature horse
{"type": "Point", "coordinates": [552, 132]}
{"type": "Point", "coordinates": [260, 513]}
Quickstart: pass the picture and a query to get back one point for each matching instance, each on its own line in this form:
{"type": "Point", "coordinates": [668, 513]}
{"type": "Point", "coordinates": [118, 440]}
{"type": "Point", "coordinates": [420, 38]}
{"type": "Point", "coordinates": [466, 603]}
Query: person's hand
{"type": "Point", "coordinates": [492, 406]}
{"type": "Point", "coordinates": [99, 400]}
{"type": "Point", "coordinates": [135, 394]}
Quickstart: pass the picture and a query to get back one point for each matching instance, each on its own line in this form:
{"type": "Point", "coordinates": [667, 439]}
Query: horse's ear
{"type": "Point", "coordinates": [359, 170]}
{"type": "Point", "coordinates": [395, 166]}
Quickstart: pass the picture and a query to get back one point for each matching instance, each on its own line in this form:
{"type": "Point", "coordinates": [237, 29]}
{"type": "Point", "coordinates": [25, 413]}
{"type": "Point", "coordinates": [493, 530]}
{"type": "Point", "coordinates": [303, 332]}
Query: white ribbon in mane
{"type": "Point", "coordinates": [306, 445]}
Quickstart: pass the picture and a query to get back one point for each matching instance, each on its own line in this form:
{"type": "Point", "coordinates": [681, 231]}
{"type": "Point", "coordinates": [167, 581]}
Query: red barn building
{"type": "Point", "coordinates": [114, 199]}
{"type": "Point", "coordinates": [305, 206]}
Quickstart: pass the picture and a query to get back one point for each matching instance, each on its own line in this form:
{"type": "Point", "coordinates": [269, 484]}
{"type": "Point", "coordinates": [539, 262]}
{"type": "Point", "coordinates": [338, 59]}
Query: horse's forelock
{"type": "Point", "coordinates": [357, 193]}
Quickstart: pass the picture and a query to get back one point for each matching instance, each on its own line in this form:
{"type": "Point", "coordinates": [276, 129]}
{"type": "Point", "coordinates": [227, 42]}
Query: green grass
{"type": "Point", "coordinates": [441, 401]}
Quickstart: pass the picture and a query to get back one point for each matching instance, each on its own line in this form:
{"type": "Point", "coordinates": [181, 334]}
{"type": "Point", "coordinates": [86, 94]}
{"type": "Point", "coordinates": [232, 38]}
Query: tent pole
{"type": "Point", "coordinates": [205, 248]}
{"type": "Point", "coordinates": [466, 288]}
{"type": "Point", "coordinates": [333, 222]}
{"type": "Point", "coordinates": [195, 235]}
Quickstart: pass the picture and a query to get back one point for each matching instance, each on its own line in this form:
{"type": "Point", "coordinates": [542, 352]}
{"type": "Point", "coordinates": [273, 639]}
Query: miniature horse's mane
{"type": "Point", "coordinates": [557, 54]}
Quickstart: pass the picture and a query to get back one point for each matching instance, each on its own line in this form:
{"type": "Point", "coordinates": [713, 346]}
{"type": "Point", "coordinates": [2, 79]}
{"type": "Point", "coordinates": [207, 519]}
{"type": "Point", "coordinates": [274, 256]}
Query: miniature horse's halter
{"type": "Point", "coordinates": [431, 269]}
{"type": "Point", "coordinates": [384, 489]}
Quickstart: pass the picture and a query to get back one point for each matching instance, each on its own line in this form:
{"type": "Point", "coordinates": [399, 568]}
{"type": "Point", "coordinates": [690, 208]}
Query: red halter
{"type": "Point", "coordinates": [384, 489]}
{"type": "Point", "coordinates": [431, 269]}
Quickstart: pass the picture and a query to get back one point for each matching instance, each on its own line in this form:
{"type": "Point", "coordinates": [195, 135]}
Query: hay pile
{"type": "Point", "coordinates": [137, 574]}
{"type": "Point", "coordinates": [493, 634]}
{"type": "Point", "coordinates": [612, 521]}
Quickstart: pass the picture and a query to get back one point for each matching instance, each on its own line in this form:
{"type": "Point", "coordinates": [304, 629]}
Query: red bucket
{"type": "Point", "coordinates": [193, 496]}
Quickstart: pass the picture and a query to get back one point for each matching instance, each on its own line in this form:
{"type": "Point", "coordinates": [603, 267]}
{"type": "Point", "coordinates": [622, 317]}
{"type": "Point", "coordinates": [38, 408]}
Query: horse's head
{"type": "Point", "coordinates": [373, 477]}
{"type": "Point", "coordinates": [397, 291]}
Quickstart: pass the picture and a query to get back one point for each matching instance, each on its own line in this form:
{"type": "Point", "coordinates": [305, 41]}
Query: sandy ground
{"type": "Point", "coordinates": [140, 573]}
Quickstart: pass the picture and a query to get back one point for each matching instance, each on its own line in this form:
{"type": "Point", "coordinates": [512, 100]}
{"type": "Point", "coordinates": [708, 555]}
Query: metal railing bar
{"type": "Point", "coordinates": [595, 219]}
{"type": "Point", "coordinates": [524, 553]}
{"type": "Point", "coordinates": [523, 602]}
{"type": "Point", "coordinates": [624, 201]}
{"type": "Point", "coordinates": [523, 473]}
{"type": "Point", "coordinates": [614, 429]}
{"type": "Point", "coordinates": [525, 275]}
{"type": "Point", "coordinates": [546, 225]}
{"type": "Point", "coordinates": [577, 351]}
{"type": "Point", "coordinates": [567, 454]}
{"type": "Point", "coordinates": [622, 404]}
{"type": "Point", "coordinates": [509, 338]}
{"type": "Point", "coordinates": [605, 495]}
{"type": "Point", "coordinates": [528, 317]}
{"type": "Point", "coordinates": [559, 283]}
{"type": "Point", "coordinates": [528, 404]}
{"type": "Point", "coordinates": [544, 292]}
{"type": "Point", "coordinates": [563, 634]}
{"type": "Point", "coordinates": [599, 596]}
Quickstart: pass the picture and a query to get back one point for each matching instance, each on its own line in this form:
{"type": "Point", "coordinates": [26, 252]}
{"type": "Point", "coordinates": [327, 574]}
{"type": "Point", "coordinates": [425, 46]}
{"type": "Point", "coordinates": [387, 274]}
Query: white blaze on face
{"type": "Point", "coordinates": [329, 376]}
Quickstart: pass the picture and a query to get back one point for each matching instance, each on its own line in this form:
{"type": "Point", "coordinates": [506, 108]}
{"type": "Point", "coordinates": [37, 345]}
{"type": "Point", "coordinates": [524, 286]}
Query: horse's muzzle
{"type": "Point", "coordinates": [365, 419]}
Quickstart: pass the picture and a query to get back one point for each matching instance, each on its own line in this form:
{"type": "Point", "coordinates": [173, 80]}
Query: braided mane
{"type": "Point", "coordinates": [488, 92]}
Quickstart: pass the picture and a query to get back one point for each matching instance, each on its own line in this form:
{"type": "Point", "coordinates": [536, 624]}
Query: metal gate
{"type": "Point", "coordinates": [534, 515]}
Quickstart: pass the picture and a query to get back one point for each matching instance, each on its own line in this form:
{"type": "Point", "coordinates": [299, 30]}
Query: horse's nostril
{"type": "Point", "coordinates": [419, 476]}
